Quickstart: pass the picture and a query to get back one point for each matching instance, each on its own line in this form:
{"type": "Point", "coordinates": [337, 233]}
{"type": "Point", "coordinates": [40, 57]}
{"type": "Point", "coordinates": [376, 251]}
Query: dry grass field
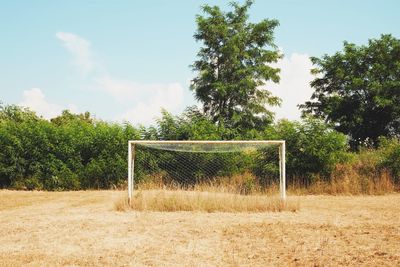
{"type": "Point", "coordinates": [204, 201]}
{"type": "Point", "coordinates": [84, 228]}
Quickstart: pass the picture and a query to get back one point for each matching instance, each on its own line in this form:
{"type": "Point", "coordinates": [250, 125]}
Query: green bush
{"type": "Point", "coordinates": [69, 152]}
{"type": "Point", "coordinates": [74, 151]}
{"type": "Point", "coordinates": [313, 149]}
{"type": "Point", "coordinates": [389, 151]}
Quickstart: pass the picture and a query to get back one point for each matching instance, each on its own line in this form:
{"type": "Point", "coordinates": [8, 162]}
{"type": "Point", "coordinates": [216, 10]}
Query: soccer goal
{"type": "Point", "coordinates": [186, 163]}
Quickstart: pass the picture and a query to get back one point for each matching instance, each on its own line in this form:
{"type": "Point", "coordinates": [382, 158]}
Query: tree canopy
{"type": "Point", "coordinates": [358, 90]}
{"type": "Point", "coordinates": [232, 65]}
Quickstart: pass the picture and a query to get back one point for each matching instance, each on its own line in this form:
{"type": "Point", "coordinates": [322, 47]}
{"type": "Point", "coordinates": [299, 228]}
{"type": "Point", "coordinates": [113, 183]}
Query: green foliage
{"type": "Point", "coordinates": [233, 65]}
{"type": "Point", "coordinates": [16, 113]}
{"type": "Point", "coordinates": [71, 152]}
{"type": "Point", "coordinates": [389, 151]}
{"type": "Point", "coordinates": [189, 167]}
{"type": "Point", "coordinates": [313, 149]}
{"type": "Point", "coordinates": [74, 151]}
{"type": "Point", "coordinates": [358, 90]}
{"type": "Point", "coordinates": [191, 125]}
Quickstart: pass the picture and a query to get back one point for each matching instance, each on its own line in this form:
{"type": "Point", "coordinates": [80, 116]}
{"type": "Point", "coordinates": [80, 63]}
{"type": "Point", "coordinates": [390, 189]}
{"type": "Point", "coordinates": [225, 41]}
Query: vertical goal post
{"type": "Point", "coordinates": [282, 158]}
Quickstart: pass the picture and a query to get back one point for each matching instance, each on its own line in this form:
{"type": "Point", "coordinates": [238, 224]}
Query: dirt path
{"type": "Point", "coordinates": [82, 228]}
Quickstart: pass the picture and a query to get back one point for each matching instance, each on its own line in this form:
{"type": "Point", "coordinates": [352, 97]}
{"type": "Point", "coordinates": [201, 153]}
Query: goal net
{"type": "Point", "coordinates": [186, 164]}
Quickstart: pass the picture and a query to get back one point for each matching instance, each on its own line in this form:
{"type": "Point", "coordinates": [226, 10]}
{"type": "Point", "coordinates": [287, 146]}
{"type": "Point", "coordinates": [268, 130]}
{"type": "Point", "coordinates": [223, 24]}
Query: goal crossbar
{"type": "Point", "coordinates": [282, 157]}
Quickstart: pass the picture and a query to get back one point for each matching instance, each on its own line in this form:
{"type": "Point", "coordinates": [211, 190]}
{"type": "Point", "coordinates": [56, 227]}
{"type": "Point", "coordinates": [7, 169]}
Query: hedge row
{"type": "Point", "coordinates": [75, 151]}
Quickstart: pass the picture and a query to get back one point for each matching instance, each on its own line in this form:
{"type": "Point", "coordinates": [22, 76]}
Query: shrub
{"type": "Point", "coordinates": [313, 148]}
{"type": "Point", "coordinates": [67, 153]}
{"type": "Point", "coordinates": [389, 151]}
{"type": "Point", "coordinates": [75, 151]}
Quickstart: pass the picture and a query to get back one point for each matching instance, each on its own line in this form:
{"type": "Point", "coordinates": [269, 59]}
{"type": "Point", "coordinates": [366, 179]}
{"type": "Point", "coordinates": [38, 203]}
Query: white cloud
{"type": "Point", "coordinates": [147, 99]}
{"type": "Point", "coordinates": [126, 90]}
{"type": "Point", "coordinates": [35, 100]}
{"type": "Point", "coordinates": [169, 98]}
{"type": "Point", "coordinates": [143, 101]}
{"type": "Point", "coordinates": [123, 90]}
{"type": "Point", "coordinates": [294, 87]}
{"type": "Point", "coordinates": [80, 50]}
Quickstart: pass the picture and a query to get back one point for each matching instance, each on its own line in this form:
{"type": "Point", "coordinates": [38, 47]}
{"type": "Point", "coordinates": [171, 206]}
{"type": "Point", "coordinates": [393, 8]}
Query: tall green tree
{"type": "Point", "coordinates": [358, 90]}
{"type": "Point", "coordinates": [232, 66]}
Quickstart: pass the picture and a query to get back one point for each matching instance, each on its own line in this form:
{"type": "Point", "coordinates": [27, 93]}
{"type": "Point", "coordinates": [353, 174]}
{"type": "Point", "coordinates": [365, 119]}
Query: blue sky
{"type": "Point", "coordinates": [124, 60]}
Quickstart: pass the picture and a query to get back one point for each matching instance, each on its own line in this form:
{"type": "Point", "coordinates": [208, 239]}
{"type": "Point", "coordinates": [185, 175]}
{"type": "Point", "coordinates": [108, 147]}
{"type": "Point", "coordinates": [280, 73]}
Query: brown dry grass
{"type": "Point", "coordinates": [206, 201]}
{"type": "Point", "coordinates": [346, 179]}
{"type": "Point", "coordinates": [83, 229]}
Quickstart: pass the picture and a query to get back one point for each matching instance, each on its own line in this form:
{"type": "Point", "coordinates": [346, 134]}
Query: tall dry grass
{"type": "Point", "coordinates": [203, 201]}
{"type": "Point", "coordinates": [244, 184]}
{"type": "Point", "coordinates": [246, 193]}
{"type": "Point", "coordinates": [347, 181]}
{"type": "Point", "coordinates": [238, 193]}
{"type": "Point", "coordinates": [362, 176]}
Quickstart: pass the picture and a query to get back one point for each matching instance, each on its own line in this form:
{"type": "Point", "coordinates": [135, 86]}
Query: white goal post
{"type": "Point", "coordinates": [282, 158]}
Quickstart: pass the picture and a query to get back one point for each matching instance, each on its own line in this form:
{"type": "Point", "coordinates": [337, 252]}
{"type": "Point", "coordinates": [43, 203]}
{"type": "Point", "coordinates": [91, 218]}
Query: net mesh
{"type": "Point", "coordinates": [186, 164]}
